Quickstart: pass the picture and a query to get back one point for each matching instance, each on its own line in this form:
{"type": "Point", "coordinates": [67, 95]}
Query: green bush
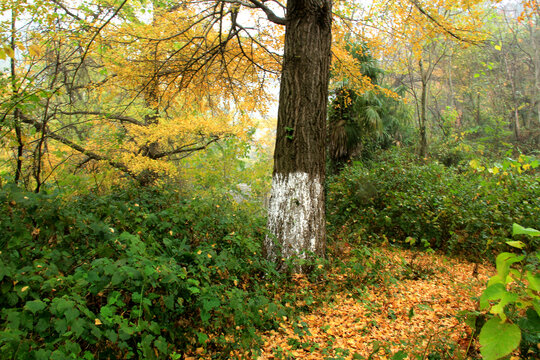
{"type": "Point", "coordinates": [460, 211]}
{"type": "Point", "coordinates": [134, 274]}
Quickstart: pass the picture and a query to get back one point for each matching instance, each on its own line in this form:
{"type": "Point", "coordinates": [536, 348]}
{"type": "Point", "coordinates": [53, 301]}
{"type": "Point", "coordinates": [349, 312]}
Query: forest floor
{"type": "Point", "coordinates": [417, 315]}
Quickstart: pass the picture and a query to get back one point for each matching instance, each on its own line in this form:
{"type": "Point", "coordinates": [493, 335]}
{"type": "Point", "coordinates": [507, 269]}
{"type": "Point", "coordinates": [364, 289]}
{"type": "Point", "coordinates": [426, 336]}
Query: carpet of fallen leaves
{"type": "Point", "coordinates": [415, 315]}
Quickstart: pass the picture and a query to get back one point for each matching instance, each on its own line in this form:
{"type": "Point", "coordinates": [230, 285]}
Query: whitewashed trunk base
{"type": "Point", "coordinates": [296, 216]}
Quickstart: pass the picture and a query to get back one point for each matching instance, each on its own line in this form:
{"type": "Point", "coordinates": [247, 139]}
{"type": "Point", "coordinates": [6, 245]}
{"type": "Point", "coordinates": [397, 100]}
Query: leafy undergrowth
{"type": "Point", "coordinates": [466, 211]}
{"type": "Point", "coordinates": [418, 315]}
{"type": "Point", "coordinates": [144, 274]}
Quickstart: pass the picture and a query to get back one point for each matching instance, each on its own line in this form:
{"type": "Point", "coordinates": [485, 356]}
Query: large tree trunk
{"type": "Point", "coordinates": [296, 211]}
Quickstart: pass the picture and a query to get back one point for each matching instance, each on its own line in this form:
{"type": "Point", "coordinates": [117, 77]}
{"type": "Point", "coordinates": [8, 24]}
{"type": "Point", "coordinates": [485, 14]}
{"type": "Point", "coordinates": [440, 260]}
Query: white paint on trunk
{"type": "Point", "coordinates": [294, 214]}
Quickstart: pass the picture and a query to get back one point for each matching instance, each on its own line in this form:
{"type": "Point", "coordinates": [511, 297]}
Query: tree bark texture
{"type": "Point", "coordinates": [296, 215]}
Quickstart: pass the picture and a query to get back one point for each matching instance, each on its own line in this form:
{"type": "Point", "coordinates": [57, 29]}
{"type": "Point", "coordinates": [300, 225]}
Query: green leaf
{"type": "Point", "coordinates": [503, 262]}
{"type": "Point", "coordinates": [425, 307]}
{"type": "Point", "coordinates": [498, 339]}
{"type": "Point", "coordinates": [534, 281]}
{"type": "Point", "coordinates": [536, 306]}
{"type": "Point", "coordinates": [506, 298]}
{"type": "Point", "coordinates": [78, 327]}
{"type": "Point", "coordinates": [400, 355]}
{"type": "Point", "coordinates": [516, 244]}
{"type": "Point", "coordinates": [161, 345]}
{"type": "Point", "coordinates": [71, 314]}
{"type": "Point", "coordinates": [531, 322]}
{"type": "Point", "coordinates": [493, 292]}
{"type": "Point", "coordinates": [519, 230]}
{"type": "Point", "coordinates": [60, 325]}
{"type": "Point", "coordinates": [35, 305]}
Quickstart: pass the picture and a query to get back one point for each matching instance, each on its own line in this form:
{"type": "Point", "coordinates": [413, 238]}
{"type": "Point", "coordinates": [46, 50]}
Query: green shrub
{"type": "Point", "coordinates": [134, 274]}
{"type": "Point", "coordinates": [459, 211]}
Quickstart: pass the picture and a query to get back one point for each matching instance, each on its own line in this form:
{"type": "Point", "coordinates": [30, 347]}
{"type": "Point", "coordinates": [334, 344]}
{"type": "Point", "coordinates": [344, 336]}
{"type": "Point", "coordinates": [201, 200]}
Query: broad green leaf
{"type": "Point", "coordinates": [518, 230]}
{"type": "Point", "coordinates": [35, 305]}
{"type": "Point", "coordinates": [531, 322]}
{"type": "Point", "coordinates": [536, 306]}
{"type": "Point", "coordinates": [516, 244]}
{"type": "Point", "coordinates": [493, 292]}
{"type": "Point", "coordinates": [78, 327]}
{"type": "Point", "coordinates": [534, 281]}
{"type": "Point", "coordinates": [71, 314]}
{"type": "Point", "coordinates": [503, 262]}
{"type": "Point", "coordinates": [506, 298]}
{"type": "Point", "coordinates": [498, 339]}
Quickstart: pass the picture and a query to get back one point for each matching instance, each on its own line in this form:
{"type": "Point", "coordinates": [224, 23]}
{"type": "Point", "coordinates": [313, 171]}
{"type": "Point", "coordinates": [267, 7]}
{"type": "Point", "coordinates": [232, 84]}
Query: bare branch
{"type": "Point", "coordinates": [186, 148]}
{"type": "Point", "coordinates": [269, 13]}
{"type": "Point", "coordinates": [108, 116]}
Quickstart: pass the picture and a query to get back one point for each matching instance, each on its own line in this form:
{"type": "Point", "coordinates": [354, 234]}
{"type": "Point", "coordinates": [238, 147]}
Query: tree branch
{"type": "Point", "coordinates": [90, 154]}
{"type": "Point", "coordinates": [436, 22]}
{"type": "Point", "coordinates": [269, 13]}
{"type": "Point", "coordinates": [186, 148]}
{"type": "Point", "coordinates": [108, 116]}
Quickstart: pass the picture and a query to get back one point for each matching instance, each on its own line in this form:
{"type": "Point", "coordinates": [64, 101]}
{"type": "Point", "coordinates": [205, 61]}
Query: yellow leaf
{"type": "Point", "coordinates": [9, 52]}
{"type": "Point", "coordinates": [97, 322]}
{"type": "Point", "coordinates": [498, 47]}
{"type": "Point", "coordinates": [34, 50]}
{"type": "Point", "coordinates": [24, 288]}
{"type": "Point", "coordinates": [474, 164]}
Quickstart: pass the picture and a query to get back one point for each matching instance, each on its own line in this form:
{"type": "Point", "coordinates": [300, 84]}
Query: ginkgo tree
{"type": "Point", "coordinates": [133, 86]}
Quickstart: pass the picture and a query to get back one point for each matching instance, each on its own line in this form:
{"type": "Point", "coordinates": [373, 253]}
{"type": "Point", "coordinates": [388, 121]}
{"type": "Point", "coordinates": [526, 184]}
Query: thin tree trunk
{"type": "Point", "coordinates": [477, 112]}
{"type": "Point", "coordinates": [296, 211]}
{"type": "Point", "coordinates": [41, 143]}
{"type": "Point", "coordinates": [423, 112]}
{"type": "Point", "coordinates": [517, 128]}
{"type": "Point", "coordinates": [535, 38]}
{"type": "Point", "coordinates": [16, 111]}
